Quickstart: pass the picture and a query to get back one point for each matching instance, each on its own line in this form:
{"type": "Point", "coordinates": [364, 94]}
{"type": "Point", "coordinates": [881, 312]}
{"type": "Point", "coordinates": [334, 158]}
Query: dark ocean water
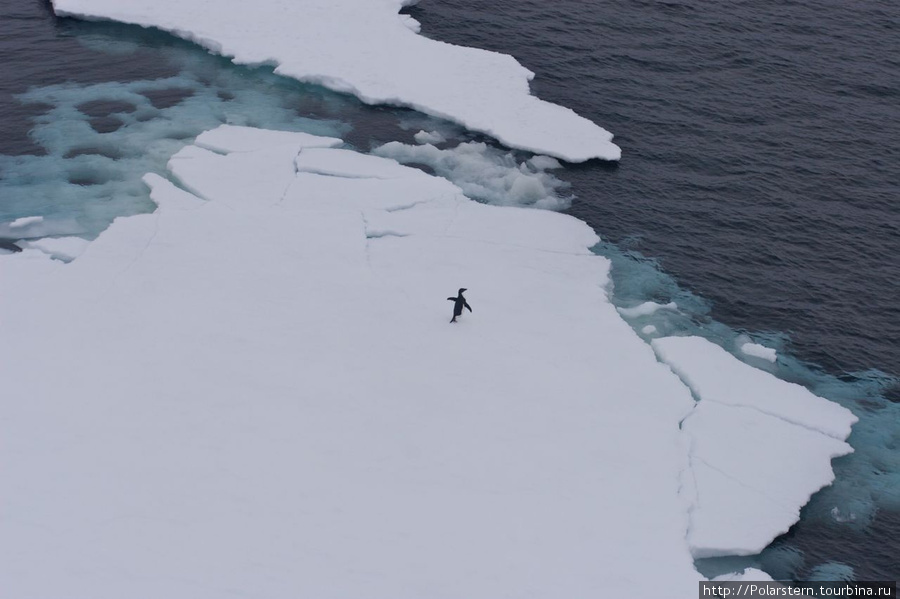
{"type": "Point", "coordinates": [761, 149]}
{"type": "Point", "coordinates": [760, 163]}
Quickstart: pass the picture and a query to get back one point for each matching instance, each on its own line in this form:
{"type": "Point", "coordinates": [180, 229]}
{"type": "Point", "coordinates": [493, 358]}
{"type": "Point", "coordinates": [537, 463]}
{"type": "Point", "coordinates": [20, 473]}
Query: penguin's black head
{"type": "Point", "coordinates": [461, 289]}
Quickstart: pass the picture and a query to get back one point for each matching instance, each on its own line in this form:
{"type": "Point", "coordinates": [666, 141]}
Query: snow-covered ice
{"type": "Point", "coordinates": [364, 47]}
{"type": "Point", "coordinates": [255, 391]}
{"type": "Point", "coordinates": [760, 351]}
{"type": "Point", "coordinates": [760, 447]}
{"type": "Point", "coordinates": [716, 375]}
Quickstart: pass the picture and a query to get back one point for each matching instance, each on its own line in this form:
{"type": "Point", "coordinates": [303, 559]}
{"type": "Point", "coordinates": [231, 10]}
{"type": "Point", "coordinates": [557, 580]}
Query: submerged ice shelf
{"type": "Point", "coordinates": [261, 393]}
{"type": "Point", "coordinates": [364, 47]}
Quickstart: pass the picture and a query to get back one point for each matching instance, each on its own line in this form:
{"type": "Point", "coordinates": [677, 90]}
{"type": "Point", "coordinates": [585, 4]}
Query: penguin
{"type": "Point", "coordinates": [459, 303]}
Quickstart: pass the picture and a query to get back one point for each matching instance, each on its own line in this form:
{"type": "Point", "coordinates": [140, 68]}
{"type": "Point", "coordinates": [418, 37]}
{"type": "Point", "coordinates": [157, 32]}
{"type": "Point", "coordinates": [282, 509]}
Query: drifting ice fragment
{"type": "Point", "coordinates": [646, 309]}
{"type": "Point", "coordinates": [760, 351]}
{"type": "Point", "coordinates": [25, 221]}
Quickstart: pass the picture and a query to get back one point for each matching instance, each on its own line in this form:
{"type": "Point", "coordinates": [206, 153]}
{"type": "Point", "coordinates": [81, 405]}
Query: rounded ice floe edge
{"type": "Point", "coordinates": [484, 91]}
{"type": "Point", "coordinates": [61, 248]}
{"type": "Point", "coordinates": [776, 440]}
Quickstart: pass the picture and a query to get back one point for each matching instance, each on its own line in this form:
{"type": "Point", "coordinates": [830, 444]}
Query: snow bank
{"type": "Point", "coordinates": [760, 447]}
{"type": "Point", "coordinates": [255, 391]}
{"type": "Point", "coordinates": [365, 48]}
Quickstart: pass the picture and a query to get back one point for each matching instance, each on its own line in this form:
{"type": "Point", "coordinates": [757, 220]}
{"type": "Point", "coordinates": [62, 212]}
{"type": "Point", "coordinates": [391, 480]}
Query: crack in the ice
{"type": "Point", "coordinates": [140, 253]}
{"type": "Point", "coordinates": [789, 506]}
{"type": "Point", "coordinates": [779, 417]}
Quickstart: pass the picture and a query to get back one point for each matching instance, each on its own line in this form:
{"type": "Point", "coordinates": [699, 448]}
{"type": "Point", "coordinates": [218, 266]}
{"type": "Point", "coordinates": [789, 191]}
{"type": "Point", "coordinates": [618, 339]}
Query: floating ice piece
{"type": "Point", "coordinates": [251, 393]}
{"type": "Point", "coordinates": [649, 329]}
{"type": "Point", "coordinates": [25, 221]}
{"type": "Point", "coordinates": [544, 163]}
{"type": "Point", "coordinates": [429, 137]}
{"type": "Point", "coordinates": [748, 575]}
{"type": "Point", "coordinates": [716, 375]}
{"type": "Point", "coordinates": [646, 309]}
{"type": "Point", "coordinates": [760, 351]}
{"type": "Point", "coordinates": [753, 472]}
{"type": "Point", "coordinates": [63, 248]}
{"type": "Point", "coordinates": [364, 48]}
{"type": "Point", "coordinates": [485, 173]}
{"type": "Point", "coordinates": [760, 447]}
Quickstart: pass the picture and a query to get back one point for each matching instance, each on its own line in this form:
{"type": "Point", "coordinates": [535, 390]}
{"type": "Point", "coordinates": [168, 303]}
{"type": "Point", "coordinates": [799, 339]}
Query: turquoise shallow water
{"type": "Point", "coordinates": [769, 236]}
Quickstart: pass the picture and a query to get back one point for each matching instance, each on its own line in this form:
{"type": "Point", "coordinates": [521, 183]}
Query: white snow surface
{"type": "Point", "coordinates": [763, 443]}
{"type": "Point", "coordinates": [364, 47]}
{"type": "Point", "coordinates": [760, 351]}
{"type": "Point", "coordinates": [255, 391]}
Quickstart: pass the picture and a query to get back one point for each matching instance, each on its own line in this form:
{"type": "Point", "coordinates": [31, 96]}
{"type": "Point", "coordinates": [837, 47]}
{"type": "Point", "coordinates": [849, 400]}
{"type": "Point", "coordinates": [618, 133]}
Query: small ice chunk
{"type": "Point", "coordinates": [646, 309]}
{"type": "Point", "coordinates": [484, 173]}
{"type": "Point", "coordinates": [649, 329]}
{"type": "Point", "coordinates": [544, 163]}
{"type": "Point", "coordinates": [750, 574]}
{"type": "Point", "coordinates": [759, 351]}
{"type": "Point", "coordinates": [63, 248]}
{"type": "Point", "coordinates": [25, 221]}
{"type": "Point", "coordinates": [429, 137]}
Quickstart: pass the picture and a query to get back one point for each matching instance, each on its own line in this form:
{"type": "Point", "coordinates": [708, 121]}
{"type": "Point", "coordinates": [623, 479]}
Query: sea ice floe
{"type": "Point", "coordinates": [261, 392]}
{"type": "Point", "coordinates": [364, 47]}
{"type": "Point", "coordinates": [760, 447]}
